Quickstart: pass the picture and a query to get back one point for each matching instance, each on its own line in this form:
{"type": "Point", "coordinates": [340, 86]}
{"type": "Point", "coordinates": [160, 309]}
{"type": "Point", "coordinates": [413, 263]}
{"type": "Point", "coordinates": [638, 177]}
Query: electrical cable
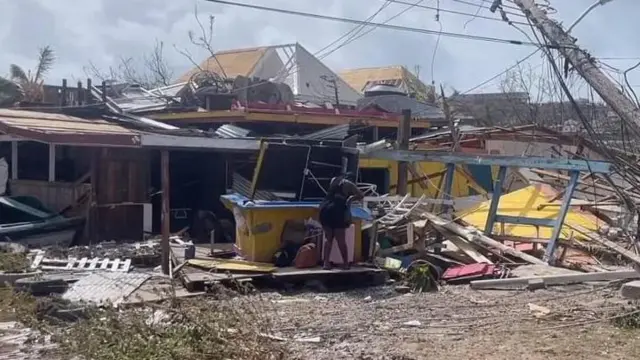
{"type": "Point", "coordinates": [512, 7]}
{"type": "Point", "coordinates": [501, 73]}
{"type": "Point", "coordinates": [456, 12]}
{"type": "Point", "coordinates": [349, 41]}
{"type": "Point", "coordinates": [380, 25]}
{"type": "Point", "coordinates": [355, 29]}
{"type": "Point", "coordinates": [435, 48]}
{"type": "Point", "coordinates": [474, 16]}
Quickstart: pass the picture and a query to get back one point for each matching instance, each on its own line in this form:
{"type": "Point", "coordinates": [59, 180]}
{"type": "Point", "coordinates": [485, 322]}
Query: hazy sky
{"type": "Point", "coordinates": [101, 31]}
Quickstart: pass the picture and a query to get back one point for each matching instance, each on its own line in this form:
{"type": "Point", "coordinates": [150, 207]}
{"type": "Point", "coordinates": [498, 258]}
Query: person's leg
{"type": "Point", "coordinates": [326, 248]}
{"type": "Point", "coordinates": [340, 235]}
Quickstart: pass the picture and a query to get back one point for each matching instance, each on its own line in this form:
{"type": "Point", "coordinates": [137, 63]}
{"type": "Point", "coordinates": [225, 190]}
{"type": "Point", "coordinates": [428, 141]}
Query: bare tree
{"type": "Point", "coordinates": [203, 40]}
{"type": "Point", "coordinates": [149, 72]}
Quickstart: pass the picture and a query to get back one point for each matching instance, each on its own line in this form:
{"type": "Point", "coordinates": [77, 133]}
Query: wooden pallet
{"type": "Point", "coordinates": [84, 264]}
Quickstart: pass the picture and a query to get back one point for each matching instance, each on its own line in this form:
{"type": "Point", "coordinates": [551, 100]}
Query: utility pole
{"type": "Point", "coordinates": [404, 133]}
{"type": "Point", "coordinates": [582, 62]}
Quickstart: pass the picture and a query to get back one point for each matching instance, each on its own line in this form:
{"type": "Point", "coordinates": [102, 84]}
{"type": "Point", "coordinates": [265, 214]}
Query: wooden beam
{"type": "Point", "coordinates": [404, 133]}
{"type": "Point", "coordinates": [52, 163]}
{"type": "Point", "coordinates": [14, 160]}
{"type": "Point", "coordinates": [166, 216]}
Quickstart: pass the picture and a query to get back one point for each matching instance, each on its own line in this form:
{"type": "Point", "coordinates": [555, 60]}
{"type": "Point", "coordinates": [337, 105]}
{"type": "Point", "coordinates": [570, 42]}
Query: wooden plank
{"type": "Point", "coordinates": [37, 261]}
{"type": "Point", "coordinates": [82, 263]}
{"type": "Point", "coordinates": [468, 249]}
{"type": "Point", "coordinates": [126, 265]}
{"type": "Point", "coordinates": [564, 279]}
{"type": "Point", "coordinates": [94, 263]}
{"type": "Point", "coordinates": [105, 264]}
{"type": "Point", "coordinates": [71, 263]}
{"type": "Point", "coordinates": [629, 255]}
{"type": "Point", "coordinates": [478, 237]}
{"type": "Point", "coordinates": [115, 264]}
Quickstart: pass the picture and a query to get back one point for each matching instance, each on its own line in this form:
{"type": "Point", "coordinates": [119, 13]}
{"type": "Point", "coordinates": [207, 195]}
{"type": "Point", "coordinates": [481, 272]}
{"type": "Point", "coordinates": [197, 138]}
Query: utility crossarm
{"type": "Point", "coordinates": [574, 167]}
{"type": "Point", "coordinates": [497, 160]}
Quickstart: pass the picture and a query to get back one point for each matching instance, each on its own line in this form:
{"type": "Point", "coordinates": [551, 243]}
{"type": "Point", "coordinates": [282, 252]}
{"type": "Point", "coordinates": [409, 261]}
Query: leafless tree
{"type": "Point", "coordinates": [149, 72]}
{"type": "Point", "coordinates": [203, 40]}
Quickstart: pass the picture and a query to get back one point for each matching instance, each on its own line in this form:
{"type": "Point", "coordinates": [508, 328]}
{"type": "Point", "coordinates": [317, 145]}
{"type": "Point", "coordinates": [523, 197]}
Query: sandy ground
{"type": "Point", "coordinates": [455, 323]}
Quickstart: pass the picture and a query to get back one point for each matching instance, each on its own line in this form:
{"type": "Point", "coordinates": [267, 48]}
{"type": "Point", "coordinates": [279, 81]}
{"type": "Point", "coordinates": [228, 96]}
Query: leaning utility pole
{"type": "Point", "coordinates": [583, 63]}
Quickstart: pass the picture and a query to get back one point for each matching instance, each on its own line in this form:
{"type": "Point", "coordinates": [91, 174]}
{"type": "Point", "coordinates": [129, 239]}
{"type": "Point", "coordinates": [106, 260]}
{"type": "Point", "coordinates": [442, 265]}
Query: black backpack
{"type": "Point", "coordinates": [334, 211]}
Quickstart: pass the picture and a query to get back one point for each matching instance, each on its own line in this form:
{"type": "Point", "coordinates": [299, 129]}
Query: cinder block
{"type": "Point", "coordinates": [631, 290]}
{"type": "Point", "coordinates": [536, 284]}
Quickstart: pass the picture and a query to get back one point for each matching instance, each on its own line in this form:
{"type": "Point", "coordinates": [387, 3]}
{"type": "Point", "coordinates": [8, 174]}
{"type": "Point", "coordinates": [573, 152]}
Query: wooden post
{"type": "Point", "coordinates": [404, 133]}
{"type": "Point", "coordinates": [376, 134]}
{"type": "Point", "coordinates": [88, 97]}
{"type": "Point", "coordinates": [166, 216]}
{"type": "Point", "coordinates": [52, 162]}
{"type": "Point", "coordinates": [63, 94]}
{"type": "Point", "coordinates": [14, 160]}
{"type": "Point", "coordinates": [80, 94]}
{"type": "Point", "coordinates": [104, 92]}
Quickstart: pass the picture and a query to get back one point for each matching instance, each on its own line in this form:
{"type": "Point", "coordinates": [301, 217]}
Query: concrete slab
{"type": "Point", "coordinates": [631, 290]}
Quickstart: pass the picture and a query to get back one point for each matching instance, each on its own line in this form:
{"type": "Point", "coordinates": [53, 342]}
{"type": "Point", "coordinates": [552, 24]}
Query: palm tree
{"type": "Point", "coordinates": [31, 82]}
{"type": "Point", "coordinates": [10, 92]}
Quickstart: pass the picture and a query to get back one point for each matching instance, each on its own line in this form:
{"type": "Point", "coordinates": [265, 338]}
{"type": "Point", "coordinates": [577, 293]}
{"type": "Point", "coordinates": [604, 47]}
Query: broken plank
{"type": "Point", "coordinates": [629, 255]}
{"type": "Point", "coordinates": [477, 237]}
{"type": "Point", "coordinates": [468, 249]}
{"type": "Point", "coordinates": [563, 279]}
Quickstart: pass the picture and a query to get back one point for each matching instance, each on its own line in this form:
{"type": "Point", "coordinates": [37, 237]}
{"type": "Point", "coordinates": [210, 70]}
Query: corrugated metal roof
{"type": "Point", "coordinates": [243, 186]}
{"type": "Point", "coordinates": [233, 62]}
{"type": "Point", "coordinates": [231, 131]}
{"type": "Point", "coordinates": [338, 132]}
{"type": "Point", "coordinates": [64, 128]}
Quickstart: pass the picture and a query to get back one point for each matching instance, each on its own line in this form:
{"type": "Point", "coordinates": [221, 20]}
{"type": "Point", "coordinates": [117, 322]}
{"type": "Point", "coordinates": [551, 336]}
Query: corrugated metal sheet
{"type": "Point", "coordinates": [242, 186]}
{"type": "Point", "coordinates": [231, 131]}
{"type": "Point", "coordinates": [338, 132]}
{"type": "Point", "coordinates": [58, 128]}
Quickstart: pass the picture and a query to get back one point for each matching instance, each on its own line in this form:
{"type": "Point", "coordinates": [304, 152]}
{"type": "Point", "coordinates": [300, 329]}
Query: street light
{"type": "Point", "coordinates": [588, 10]}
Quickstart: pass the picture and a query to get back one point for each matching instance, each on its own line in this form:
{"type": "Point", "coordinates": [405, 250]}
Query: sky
{"type": "Point", "coordinates": [102, 31]}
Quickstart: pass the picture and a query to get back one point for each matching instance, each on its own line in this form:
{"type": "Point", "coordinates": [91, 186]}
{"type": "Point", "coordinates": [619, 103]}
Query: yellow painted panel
{"type": "Point", "coordinates": [459, 188]}
{"type": "Point", "coordinates": [232, 265]}
{"type": "Point", "coordinates": [259, 230]}
{"type": "Point", "coordinates": [524, 203]}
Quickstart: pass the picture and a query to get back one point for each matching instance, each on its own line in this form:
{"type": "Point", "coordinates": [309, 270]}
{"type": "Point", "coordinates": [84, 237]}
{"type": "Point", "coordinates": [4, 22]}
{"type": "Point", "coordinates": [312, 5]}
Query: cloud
{"type": "Point", "coordinates": [101, 31]}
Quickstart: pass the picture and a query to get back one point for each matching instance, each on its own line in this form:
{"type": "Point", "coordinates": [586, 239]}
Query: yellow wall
{"type": "Point", "coordinates": [260, 245]}
{"type": "Point", "coordinates": [460, 186]}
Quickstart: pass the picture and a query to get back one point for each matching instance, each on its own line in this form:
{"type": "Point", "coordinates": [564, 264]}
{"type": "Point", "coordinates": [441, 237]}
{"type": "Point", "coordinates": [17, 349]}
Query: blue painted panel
{"type": "Point", "coordinates": [508, 161]}
{"type": "Point", "coordinates": [482, 176]}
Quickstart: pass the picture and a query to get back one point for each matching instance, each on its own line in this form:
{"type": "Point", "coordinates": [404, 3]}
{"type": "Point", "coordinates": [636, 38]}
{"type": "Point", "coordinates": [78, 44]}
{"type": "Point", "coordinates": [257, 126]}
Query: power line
{"type": "Point", "coordinates": [355, 29]}
{"type": "Point", "coordinates": [488, 6]}
{"type": "Point", "coordinates": [453, 11]}
{"type": "Point", "coordinates": [372, 28]}
{"type": "Point", "coordinates": [503, 72]}
{"type": "Point", "coordinates": [380, 25]}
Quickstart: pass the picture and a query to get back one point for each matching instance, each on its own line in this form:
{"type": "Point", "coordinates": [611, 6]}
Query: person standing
{"type": "Point", "coordinates": [335, 217]}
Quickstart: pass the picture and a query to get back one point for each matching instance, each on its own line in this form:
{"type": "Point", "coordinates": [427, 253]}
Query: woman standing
{"type": "Point", "coordinates": [335, 217]}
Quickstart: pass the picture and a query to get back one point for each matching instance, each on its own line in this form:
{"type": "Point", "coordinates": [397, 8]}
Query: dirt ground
{"type": "Point", "coordinates": [454, 323]}
{"type": "Point", "coordinates": [457, 323]}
